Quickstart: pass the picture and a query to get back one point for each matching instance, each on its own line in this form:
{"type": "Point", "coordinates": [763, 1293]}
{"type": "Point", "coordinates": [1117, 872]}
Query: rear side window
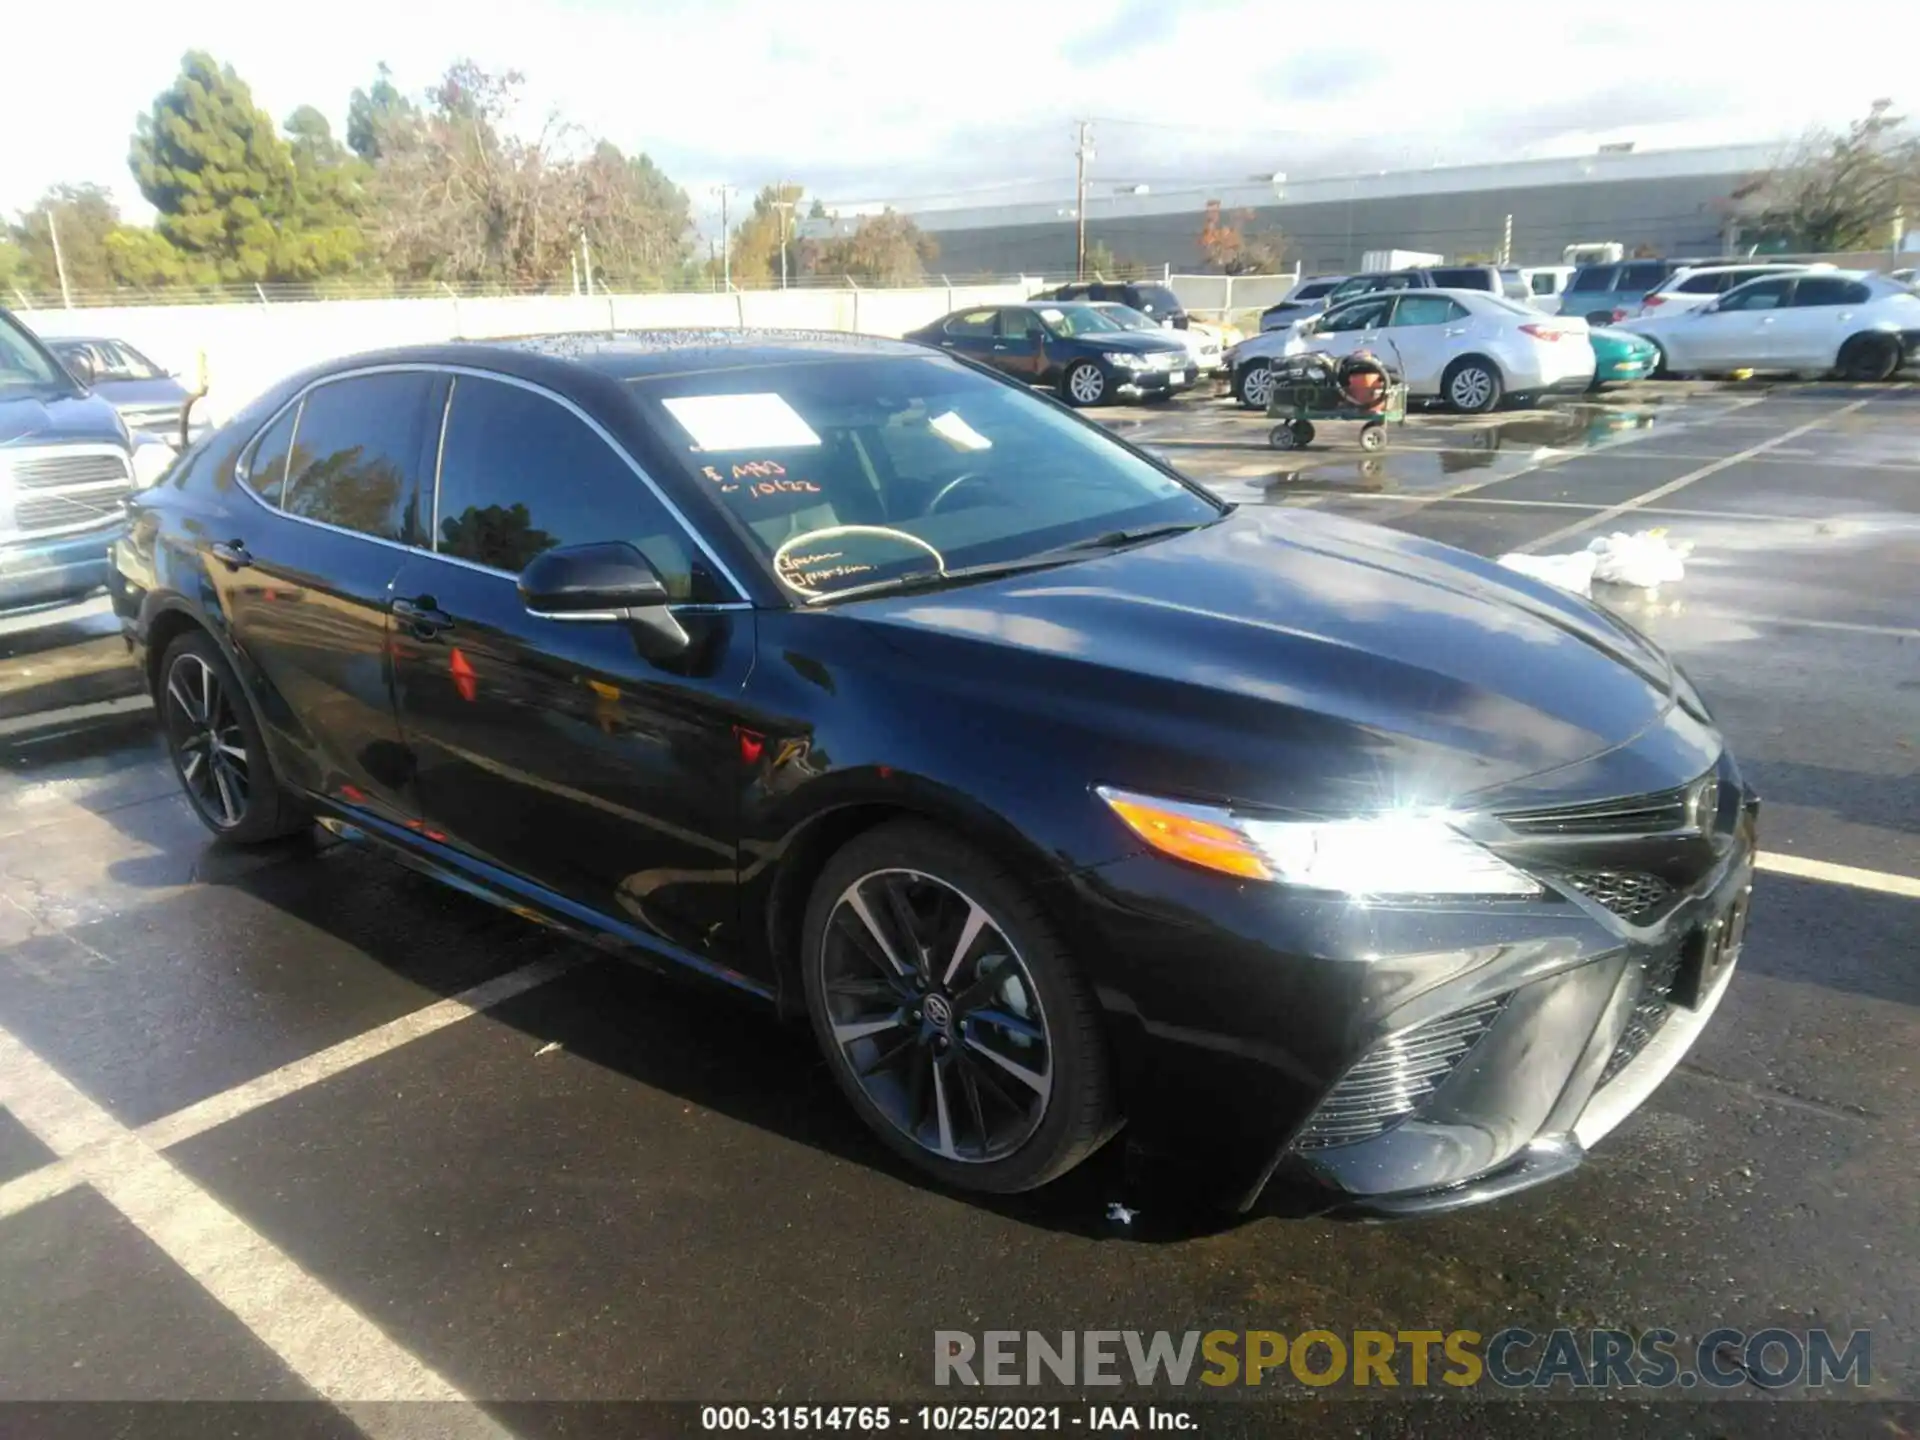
{"type": "Point", "coordinates": [1415, 308]}
{"type": "Point", "coordinates": [520, 474]}
{"type": "Point", "coordinates": [265, 472]}
{"type": "Point", "coordinates": [1829, 290]}
{"type": "Point", "coordinates": [356, 454]}
{"type": "Point", "coordinates": [1593, 279]}
{"type": "Point", "coordinates": [1644, 275]}
{"type": "Point", "coordinates": [1155, 300]}
{"type": "Point", "coordinates": [1711, 283]}
{"type": "Point", "coordinates": [974, 322]}
{"type": "Point", "coordinates": [1463, 277]}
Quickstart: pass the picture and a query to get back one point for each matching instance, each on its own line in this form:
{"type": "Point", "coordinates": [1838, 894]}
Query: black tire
{"type": "Point", "coordinates": [1871, 358]}
{"type": "Point", "coordinates": [220, 759]}
{"type": "Point", "coordinates": [931, 867]}
{"type": "Point", "coordinates": [1084, 384]}
{"type": "Point", "coordinates": [1283, 436]}
{"type": "Point", "coordinates": [1658, 369]}
{"type": "Point", "coordinates": [1244, 376]}
{"type": "Point", "coordinates": [1303, 432]}
{"type": "Point", "coordinates": [1477, 382]}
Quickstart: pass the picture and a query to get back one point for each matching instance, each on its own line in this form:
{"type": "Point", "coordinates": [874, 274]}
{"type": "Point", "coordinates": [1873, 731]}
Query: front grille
{"type": "Point", "coordinates": [1629, 815]}
{"type": "Point", "coordinates": [51, 470]}
{"type": "Point", "coordinates": [1650, 1010]}
{"type": "Point", "coordinates": [54, 491]}
{"type": "Point", "coordinates": [1397, 1077]}
{"type": "Point", "coordinates": [1632, 897]}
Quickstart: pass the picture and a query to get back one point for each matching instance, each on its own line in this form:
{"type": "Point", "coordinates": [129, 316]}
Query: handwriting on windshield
{"type": "Point", "coordinates": [808, 571]}
{"type": "Point", "coordinates": [757, 478]}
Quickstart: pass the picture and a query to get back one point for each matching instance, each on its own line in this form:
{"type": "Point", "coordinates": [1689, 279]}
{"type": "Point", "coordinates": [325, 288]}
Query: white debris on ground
{"type": "Point", "coordinates": [1643, 560]}
{"type": "Point", "coordinates": [1120, 1213]}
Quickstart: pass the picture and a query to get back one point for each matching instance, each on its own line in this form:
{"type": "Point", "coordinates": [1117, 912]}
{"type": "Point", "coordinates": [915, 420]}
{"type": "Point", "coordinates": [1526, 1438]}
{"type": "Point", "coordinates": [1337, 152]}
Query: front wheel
{"type": "Point", "coordinates": [1253, 385]}
{"type": "Point", "coordinates": [1085, 384]}
{"type": "Point", "coordinates": [1373, 437]}
{"type": "Point", "coordinates": [214, 742]}
{"type": "Point", "coordinates": [1472, 386]}
{"type": "Point", "coordinates": [951, 1014]}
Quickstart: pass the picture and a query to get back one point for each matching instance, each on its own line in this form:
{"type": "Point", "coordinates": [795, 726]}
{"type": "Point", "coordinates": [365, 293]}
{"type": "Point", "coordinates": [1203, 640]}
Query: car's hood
{"type": "Point", "coordinates": [142, 394]}
{"type": "Point", "coordinates": [45, 418]}
{"type": "Point", "coordinates": [1143, 342]}
{"type": "Point", "coordinates": [1298, 659]}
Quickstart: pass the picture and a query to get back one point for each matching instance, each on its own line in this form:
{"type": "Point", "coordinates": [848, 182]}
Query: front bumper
{"type": "Point", "coordinates": [49, 577]}
{"type": "Point", "coordinates": [1238, 1012]}
{"type": "Point", "coordinates": [1135, 384]}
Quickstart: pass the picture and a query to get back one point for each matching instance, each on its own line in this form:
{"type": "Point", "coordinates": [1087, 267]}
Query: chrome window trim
{"type": "Point", "coordinates": [444, 368]}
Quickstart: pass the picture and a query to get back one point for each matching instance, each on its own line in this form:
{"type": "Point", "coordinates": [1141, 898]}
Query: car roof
{"type": "Point", "coordinates": [630, 354]}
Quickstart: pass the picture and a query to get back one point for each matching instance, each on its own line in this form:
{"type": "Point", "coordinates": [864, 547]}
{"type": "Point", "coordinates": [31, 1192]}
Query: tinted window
{"type": "Point", "coordinates": [1155, 300]}
{"type": "Point", "coordinates": [1644, 274]}
{"type": "Point", "coordinates": [1417, 309]}
{"type": "Point", "coordinates": [1361, 315]}
{"type": "Point", "coordinates": [1463, 277]}
{"type": "Point", "coordinates": [1017, 324]}
{"type": "Point", "coordinates": [1711, 283]}
{"type": "Point", "coordinates": [519, 475]}
{"type": "Point", "coordinates": [1759, 295]}
{"type": "Point", "coordinates": [266, 471]}
{"type": "Point", "coordinates": [1830, 290]}
{"type": "Point", "coordinates": [356, 453]}
{"type": "Point", "coordinates": [1593, 279]}
{"type": "Point", "coordinates": [1542, 282]}
{"type": "Point", "coordinates": [973, 322]}
{"type": "Point", "coordinates": [1314, 289]}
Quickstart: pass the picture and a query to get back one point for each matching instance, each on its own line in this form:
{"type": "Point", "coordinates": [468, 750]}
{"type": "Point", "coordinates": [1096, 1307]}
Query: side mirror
{"type": "Point", "coordinates": [80, 366]}
{"type": "Point", "coordinates": [609, 581]}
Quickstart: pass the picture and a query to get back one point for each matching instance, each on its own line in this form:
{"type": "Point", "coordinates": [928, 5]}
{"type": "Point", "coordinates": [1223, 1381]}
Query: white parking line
{"type": "Point", "coordinates": [71, 714]}
{"type": "Point", "coordinates": [1713, 467]}
{"type": "Point", "coordinates": [329, 1345]}
{"type": "Point", "coordinates": [1804, 869]}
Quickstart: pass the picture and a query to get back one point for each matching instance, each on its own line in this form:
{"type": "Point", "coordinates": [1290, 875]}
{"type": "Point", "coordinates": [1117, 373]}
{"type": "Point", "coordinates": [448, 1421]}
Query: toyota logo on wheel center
{"type": "Point", "coordinates": [939, 1013]}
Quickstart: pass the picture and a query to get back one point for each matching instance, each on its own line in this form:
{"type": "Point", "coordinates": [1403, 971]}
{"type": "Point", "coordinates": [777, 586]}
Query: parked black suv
{"type": "Point", "coordinates": [1155, 300]}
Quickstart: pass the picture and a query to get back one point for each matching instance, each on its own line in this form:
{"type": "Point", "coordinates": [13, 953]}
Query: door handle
{"type": "Point", "coordinates": [999, 347]}
{"type": "Point", "coordinates": [421, 616]}
{"type": "Point", "coordinates": [231, 553]}
{"type": "Point", "coordinates": [946, 344]}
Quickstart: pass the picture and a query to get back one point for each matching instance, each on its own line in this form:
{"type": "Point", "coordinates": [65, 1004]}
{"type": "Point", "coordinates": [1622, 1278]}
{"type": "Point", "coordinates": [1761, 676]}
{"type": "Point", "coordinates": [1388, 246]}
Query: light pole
{"type": "Point", "coordinates": [785, 207]}
{"type": "Point", "coordinates": [726, 240]}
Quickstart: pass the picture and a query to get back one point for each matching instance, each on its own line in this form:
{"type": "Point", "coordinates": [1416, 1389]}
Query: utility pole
{"type": "Point", "coordinates": [59, 261]}
{"type": "Point", "coordinates": [586, 260]}
{"type": "Point", "coordinates": [726, 240]}
{"type": "Point", "coordinates": [785, 207]}
{"type": "Point", "coordinates": [1082, 153]}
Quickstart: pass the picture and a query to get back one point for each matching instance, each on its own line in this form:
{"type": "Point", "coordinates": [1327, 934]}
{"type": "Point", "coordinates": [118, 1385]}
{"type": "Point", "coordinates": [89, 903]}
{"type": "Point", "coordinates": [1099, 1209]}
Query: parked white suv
{"type": "Point", "coordinates": [1698, 285]}
{"type": "Point", "coordinates": [1464, 346]}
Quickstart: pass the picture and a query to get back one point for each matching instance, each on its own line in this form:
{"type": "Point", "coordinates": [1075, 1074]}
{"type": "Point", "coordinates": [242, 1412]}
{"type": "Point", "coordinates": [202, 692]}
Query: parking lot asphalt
{"type": "Point", "coordinates": [301, 1123]}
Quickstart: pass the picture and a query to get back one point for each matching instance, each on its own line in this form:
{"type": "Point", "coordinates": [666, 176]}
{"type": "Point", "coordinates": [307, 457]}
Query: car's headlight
{"type": "Point", "coordinates": [151, 458]}
{"type": "Point", "coordinates": [1379, 855]}
{"type": "Point", "coordinates": [1127, 359]}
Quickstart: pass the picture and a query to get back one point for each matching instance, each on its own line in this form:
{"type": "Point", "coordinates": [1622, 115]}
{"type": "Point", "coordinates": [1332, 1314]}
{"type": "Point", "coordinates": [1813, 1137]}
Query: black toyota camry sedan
{"type": "Point", "coordinates": [1059, 797]}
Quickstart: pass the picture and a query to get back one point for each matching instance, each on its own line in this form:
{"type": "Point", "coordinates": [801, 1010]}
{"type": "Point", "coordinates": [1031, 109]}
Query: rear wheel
{"type": "Point", "coordinates": [1373, 437]}
{"type": "Point", "coordinates": [1870, 357]}
{"type": "Point", "coordinates": [1253, 385]}
{"type": "Point", "coordinates": [215, 744]}
{"type": "Point", "coordinates": [1472, 386]}
{"type": "Point", "coordinates": [1085, 384]}
{"type": "Point", "coordinates": [951, 1014]}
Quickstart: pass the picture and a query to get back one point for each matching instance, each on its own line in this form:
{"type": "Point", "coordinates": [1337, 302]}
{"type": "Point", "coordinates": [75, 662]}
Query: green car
{"type": "Point", "coordinates": [1620, 355]}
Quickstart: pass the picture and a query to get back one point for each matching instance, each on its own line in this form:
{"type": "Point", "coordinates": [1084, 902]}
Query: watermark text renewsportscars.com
{"type": "Point", "coordinates": [1514, 1358]}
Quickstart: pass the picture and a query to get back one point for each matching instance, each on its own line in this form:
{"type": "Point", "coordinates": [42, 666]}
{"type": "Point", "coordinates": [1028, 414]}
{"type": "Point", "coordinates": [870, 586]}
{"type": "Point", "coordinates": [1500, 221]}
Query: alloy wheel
{"type": "Point", "coordinates": [1258, 387]}
{"type": "Point", "coordinates": [209, 747]}
{"type": "Point", "coordinates": [1086, 384]}
{"type": "Point", "coordinates": [1471, 388]}
{"type": "Point", "coordinates": [936, 1016]}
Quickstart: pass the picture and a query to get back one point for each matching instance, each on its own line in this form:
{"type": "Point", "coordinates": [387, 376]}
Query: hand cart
{"type": "Point", "coordinates": [1301, 405]}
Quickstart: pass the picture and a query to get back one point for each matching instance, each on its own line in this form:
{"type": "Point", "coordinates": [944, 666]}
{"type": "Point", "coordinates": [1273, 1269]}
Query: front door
{"type": "Point", "coordinates": [552, 748]}
{"type": "Point", "coordinates": [305, 590]}
{"type": "Point", "coordinates": [1737, 330]}
{"type": "Point", "coordinates": [1018, 348]}
{"type": "Point", "coordinates": [1356, 325]}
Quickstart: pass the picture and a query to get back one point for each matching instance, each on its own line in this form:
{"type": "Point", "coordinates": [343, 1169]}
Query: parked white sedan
{"type": "Point", "coordinates": [1202, 341]}
{"type": "Point", "coordinates": [1464, 346]}
{"type": "Point", "coordinates": [1861, 324]}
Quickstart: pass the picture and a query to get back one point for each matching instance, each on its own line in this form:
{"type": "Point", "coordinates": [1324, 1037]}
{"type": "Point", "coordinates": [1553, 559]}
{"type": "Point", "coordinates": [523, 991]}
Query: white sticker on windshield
{"type": "Point", "coordinates": [740, 422]}
{"type": "Point", "coordinates": [1052, 317]}
{"type": "Point", "coordinates": [957, 432]}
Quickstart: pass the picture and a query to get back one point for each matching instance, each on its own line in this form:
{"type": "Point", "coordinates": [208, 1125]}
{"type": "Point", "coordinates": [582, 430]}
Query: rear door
{"type": "Point", "coordinates": [1423, 335]}
{"type": "Point", "coordinates": [305, 589]}
{"type": "Point", "coordinates": [971, 333]}
{"type": "Point", "coordinates": [552, 748]}
{"type": "Point", "coordinates": [1817, 319]}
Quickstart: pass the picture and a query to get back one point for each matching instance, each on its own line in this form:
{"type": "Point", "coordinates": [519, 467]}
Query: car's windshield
{"type": "Point", "coordinates": [899, 469]}
{"type": "Point", "coordinates": [1072, 320]}
{"type": "Point", "coordinates": [23, 364]}
{"type": "Point", "coordinates": [1127, 318]}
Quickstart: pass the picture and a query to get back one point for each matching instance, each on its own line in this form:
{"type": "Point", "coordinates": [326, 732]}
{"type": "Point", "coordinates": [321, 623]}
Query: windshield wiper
{"type": "Point", "coordinates": [1114, 539]}
{"type": "Point", "coordinates": [935, 579]}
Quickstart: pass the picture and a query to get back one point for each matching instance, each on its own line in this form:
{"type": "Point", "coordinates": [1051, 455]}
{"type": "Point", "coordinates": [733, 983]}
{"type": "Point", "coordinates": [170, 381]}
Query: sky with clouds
{"type": "Point", "coordinates": [862, 101]}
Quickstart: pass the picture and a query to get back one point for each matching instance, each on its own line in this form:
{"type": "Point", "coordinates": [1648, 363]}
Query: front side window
{"type": "Point", "coordinates": [1017, 325]}
{"type": "Point", "coordinates": [875, 470]}
{"type": "Point", "coordinates": [356, 457]}
{"type": "Point", "coordinates": [1757, 295]}
{"type": "Point", "coordinates": [521, 474]}
{"type": "Point", "coordinates": [1362, 315]}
